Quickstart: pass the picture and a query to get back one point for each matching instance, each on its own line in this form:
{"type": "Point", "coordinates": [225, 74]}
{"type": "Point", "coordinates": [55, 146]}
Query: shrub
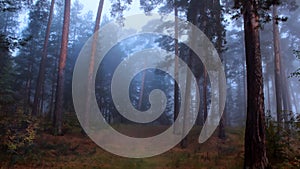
{"type": "Point", "coordinates": [18, 135]}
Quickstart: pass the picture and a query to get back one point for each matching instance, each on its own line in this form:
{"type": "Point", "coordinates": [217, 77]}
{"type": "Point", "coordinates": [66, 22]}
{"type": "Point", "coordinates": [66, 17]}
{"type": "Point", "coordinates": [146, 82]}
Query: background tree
{"type": "Point", "coordinates": [61, 68]}
{"type": "Point", "coordinates": [41, 74]}
{"type": "Point", "coordinates": [278, 70]}
{"type": "Point", "coordinates": [29, 55]}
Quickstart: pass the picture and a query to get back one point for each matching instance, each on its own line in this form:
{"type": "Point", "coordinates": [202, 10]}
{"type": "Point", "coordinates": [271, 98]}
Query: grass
{"type": "Point", "coordinates": [76, 151]}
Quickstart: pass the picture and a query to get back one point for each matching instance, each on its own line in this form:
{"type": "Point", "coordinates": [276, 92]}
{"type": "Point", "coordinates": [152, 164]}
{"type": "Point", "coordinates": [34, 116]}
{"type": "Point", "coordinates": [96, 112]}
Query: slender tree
{"type": "Point", "coordinates": [219, 45]}
{"type": "Point", "coordinates": [61, 68]}
{"type": "Point", "coordinates": [42, 68]}
{"type": "Point", "coordinates": [286, 98]}
{"type": "Point", "coordinates": [92, 60]}
{"type": "Point", "coordinates": [278, 88]}
{"type": "Point", "coordinates": [142, 89]}
{"type": "Point", "coordinates": [176, 66]}
{"type": "Point", "coordinates": [204, 95]}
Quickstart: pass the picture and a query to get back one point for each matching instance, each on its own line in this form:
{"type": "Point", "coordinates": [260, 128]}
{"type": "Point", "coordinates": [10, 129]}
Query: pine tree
{"type": "Point", "coordinates": [41, 74]}
{"type": "Point", "coordinates": [255, 149]}
{"type": "Point", "coordinates": [61, 69]}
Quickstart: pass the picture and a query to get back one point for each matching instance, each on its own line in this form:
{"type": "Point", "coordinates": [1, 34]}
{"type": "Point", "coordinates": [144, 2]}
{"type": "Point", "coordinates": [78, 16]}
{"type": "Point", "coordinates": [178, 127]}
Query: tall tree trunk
{"type": "Point", "coordinates": [204, 95]}
{"type": "Point", "coordinates": [277, 69]}
{"type": "Point", "coordinates": [187, 96]}
{"type": "Point", "coordinates": [204, 21]}
{"type": "Point", "coordinates": [268, 95]}
{"type": "Point", "coordinates": [255, 148]}
{"type": "Point", "coordinates": [187, 100]}
{"type": "Point", "coordinates": [5, 24]}
{"type": "Point", "coordinates": [28, 88]}
{"type": "Point", "coordinates": [222, 134]}
{"type": "Point", "coordinates": [176, 67]}
{"type": "Point", "coordinates": [61, 68]}
{"type": "Point", "coordinates": [219, 29]}
{"type": "Point", "coordinates": [50, 115]}
{"type": "Point", "coordinates": [286, 99]}
{"type": "Point", "coordinates": [200, 120]}
{"type": "Point", "coordinates": [142, 89]}
{"type": "Point", "coordinates": [245, 92]}
{"type": "Point", "coordinates": [92, 62]}
{"type": "Point", "coordinates": [41, 111]}
{"type": "Point", "coordinates": [41, 76]}
{"type": "Point", "coordinates": [295, 101]}
{"type": "Point", "coordinates": [53, 88]}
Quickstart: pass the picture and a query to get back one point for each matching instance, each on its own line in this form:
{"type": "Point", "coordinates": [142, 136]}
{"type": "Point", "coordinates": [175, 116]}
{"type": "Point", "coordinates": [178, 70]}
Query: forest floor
{"type": "Point", "coordinates": [75, 150]}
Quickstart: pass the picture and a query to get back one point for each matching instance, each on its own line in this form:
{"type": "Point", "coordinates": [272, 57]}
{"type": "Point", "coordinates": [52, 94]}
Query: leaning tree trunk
{"type": "Point", "coordinates": [92, 62]}
{"type": "Point", "coordinates": [41, 76]}
{"type": "Point", "coordinates": [61, 69]}
{"type": "Point", "coordinates": [255, 149]}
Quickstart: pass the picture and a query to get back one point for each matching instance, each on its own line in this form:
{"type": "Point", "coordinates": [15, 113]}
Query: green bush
{"type": "Point", "coordinates": [18, 135]}
{"type": "Point", "coordinates": [281, 143]}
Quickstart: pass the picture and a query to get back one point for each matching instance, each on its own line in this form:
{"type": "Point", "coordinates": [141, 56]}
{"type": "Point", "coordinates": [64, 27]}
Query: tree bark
{"type": "Point", "coordinates": [255, 149]}
{"type": "Point", "coordinates": [41, 76]}
{"type": "Point", "coordinates": [61, 68]}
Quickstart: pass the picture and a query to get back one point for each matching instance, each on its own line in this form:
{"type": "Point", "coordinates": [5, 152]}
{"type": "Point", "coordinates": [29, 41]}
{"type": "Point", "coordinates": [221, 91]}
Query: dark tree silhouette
{"type": "Point", "coordinates": [255, 149]}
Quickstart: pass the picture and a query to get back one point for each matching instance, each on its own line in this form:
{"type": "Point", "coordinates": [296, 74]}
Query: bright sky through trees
{"type": "Point", "coordinates": [93, 5]}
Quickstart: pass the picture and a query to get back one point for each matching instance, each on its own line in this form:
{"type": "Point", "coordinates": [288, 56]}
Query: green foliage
{"type": "Point", "coordinates": [18, 135]}
{"type": "Point", "coordinates": [178, 160]}
{"type": "Point", "coordinates": [6, 75]}
{"type": "Point", "coordinates": [275, 146]}
{"type": "Point", "coordinates": [281, 143]}
{"type": "Point", "coordinates": [295, 120]}
{"type": "Point", "coordinates": [71, 122]}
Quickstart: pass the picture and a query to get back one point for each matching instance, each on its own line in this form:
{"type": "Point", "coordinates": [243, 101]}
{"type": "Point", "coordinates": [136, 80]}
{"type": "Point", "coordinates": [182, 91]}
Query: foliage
{"type": "Point", "coordinates": [9, 5]}
{"type": "Point", "coordinates": [71, 122]}
{"type": "Point", "coordinates": [275, 146]}
{"type": "Point", "coordinates": [118, 7]}
{"type": "Point", "coordinates": [6, 75]}
{"type": "Point", "coordinates": [264, 8]}
{"type": "Point", "coordinates": [281, 145]}
{"type": "Point", "coordinates": [18, 135]}
{"type": "Point", "coordinates": [297, 72]}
